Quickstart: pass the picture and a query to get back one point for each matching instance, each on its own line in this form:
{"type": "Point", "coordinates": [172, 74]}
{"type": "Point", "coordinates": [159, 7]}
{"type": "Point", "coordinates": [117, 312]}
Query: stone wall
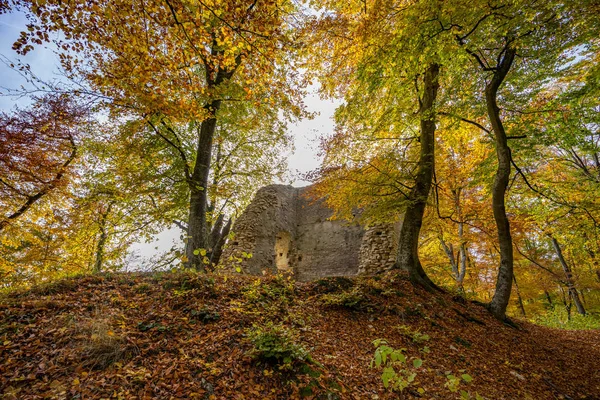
{"type": "Point", "coordinates": [324, 247]}
{"type": "Point", "coordinates": [378, 248]}
{"type": "Point", "coordinates": [273, 210]}
{"type": "Point", "coordinates": [284, 230]}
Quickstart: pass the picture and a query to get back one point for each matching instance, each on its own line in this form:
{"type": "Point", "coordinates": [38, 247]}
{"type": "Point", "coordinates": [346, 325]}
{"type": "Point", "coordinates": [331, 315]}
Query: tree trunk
{"type": "Point", "coordinates": [197, 224]}
{"type": "Point", "coordinates": [215, 256]}
{"type": "Point", "coordinates": [573, 293]}
{"type": "Point", "coordinates": [198, 235]}
{"type": "Point", "coordinates": [449, 250]}
{"type": "Point", "coordinates": [550, 303]}
{"type": "Point", "coordinates": [215, 233]}
{"type": "Point", "coordinates": [519, 298]}
{"type": "Point", "coordinates": [462, 252]}
{"type": "Point", "coordinates": [408, 253]}
{"type": "Point", "coordinates": [102, 240]}
{"type": "Point", "coordinates": [505, 271]}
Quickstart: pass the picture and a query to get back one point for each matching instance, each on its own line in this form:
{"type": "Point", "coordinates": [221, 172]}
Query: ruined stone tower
{"type": "Point", "coordinates": [286, 231]}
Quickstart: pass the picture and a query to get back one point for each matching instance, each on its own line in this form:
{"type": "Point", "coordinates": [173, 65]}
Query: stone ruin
{"type": "Point", "coordinates": [286, 231]}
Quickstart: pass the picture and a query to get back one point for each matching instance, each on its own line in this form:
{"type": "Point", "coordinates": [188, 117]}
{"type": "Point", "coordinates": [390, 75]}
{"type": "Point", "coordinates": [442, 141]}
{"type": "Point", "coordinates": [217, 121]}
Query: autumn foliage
{"type": "Point", "coordinates": [472, 124]}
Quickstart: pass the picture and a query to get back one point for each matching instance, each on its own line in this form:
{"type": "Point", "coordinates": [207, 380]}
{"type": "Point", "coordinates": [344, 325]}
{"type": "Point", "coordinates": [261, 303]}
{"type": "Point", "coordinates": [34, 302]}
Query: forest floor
{"type": "Point", "coordinates": [186, 336]}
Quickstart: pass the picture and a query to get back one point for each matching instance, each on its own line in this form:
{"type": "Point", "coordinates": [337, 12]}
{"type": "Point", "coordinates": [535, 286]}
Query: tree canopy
{"type": "Point", "coordinates": [473, 124]}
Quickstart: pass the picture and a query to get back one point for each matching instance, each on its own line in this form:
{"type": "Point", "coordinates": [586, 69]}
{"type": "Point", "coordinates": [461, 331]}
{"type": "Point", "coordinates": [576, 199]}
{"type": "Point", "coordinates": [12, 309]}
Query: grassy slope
{"type": "Point", "coordinates": [184, 336]}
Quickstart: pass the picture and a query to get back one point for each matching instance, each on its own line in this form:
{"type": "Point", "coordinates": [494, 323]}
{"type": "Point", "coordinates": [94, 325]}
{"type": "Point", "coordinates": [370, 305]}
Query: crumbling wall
{"type": "Point", "coordinates": [284, 230]}
{"type": "Point", "coordinates": [273, 210]}
{"type": "Point", "coordinates": [324, 247]}
{"type": "Point", "coordinates": [378, 249]}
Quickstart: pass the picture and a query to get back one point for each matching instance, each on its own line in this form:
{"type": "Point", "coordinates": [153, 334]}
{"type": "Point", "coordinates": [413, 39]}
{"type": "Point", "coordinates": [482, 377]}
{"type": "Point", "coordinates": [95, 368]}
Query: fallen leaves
{"type": "Point", "coordinates": [185, 351]}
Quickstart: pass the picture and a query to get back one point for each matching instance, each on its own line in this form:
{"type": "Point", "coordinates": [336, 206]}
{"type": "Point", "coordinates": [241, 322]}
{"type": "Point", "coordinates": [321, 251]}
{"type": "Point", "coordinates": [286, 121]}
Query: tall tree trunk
{"type": "Point", "coordinates": [408, 253]}
{"type": "Point", "coordinates": [505, 271]}
{"type": "Point", "coordinates": [215, 233]}
{"type": "Point", "coordinates": [458, 262]}
{"type": "Point", "coordinates": [197, 224]}
{"type": "Point", "coordinates": [573, 293]}
{"type": "Point", "coordinates": [198, 235]}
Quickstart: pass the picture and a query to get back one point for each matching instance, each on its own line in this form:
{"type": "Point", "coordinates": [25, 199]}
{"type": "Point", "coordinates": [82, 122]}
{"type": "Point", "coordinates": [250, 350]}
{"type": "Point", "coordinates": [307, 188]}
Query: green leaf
{"type": "Point", "coordinates": [466, 377]}
{"type": "Point", "coordinates": [417, 362]}
{"type": "Point", "coordinates": [387, 375]}
{"type": "Point", "coordinates": [377, 358]}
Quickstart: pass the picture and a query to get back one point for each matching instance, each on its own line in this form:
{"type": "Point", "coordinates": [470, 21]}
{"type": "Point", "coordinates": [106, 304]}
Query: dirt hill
{"type": "Point", "coordinates": [185, 336]}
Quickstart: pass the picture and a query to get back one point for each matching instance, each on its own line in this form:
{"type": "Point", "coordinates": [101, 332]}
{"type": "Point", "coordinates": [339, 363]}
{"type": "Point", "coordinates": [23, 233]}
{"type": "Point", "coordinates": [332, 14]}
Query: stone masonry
{"type": "Point", "coordinates": [286, 231]}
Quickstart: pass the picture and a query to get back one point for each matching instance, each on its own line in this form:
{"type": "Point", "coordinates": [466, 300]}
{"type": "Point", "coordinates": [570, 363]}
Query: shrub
{"type": "Point", "coordinates": [143, 287]}
{"type": "Point", "coordinates": [60, 286]}
{"type": "Point", "coordinates": [278, 289]}
{"type": "Point", "coordinates": [189, 280]}
{"type": "Point", "coordinates": [205, 315]}
{"type": "Point", "coordinates": [398, 373]}
{"type": "Point", "coordinates": [453, 383]}
{"type": "Point", "coordinates": [277, 345]}
{"type": "Point", "coordinates": [333, 284]}
{"type": "Point", "coordinates": [558, 318]}
{"type": "Point", "coordinates": [353, 300]}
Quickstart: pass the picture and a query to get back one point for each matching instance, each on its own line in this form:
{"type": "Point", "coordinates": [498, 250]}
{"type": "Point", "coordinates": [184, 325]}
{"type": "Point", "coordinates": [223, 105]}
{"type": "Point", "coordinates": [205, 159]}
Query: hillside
{"type": "Point", "coordinates": [182, 335]}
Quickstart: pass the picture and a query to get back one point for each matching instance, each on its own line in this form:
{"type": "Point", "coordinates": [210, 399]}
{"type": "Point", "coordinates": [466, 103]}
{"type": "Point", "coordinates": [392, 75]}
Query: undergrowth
{"type": "Point", "coordinates": [558, 318]}
{"type": "Point", "coordinates": [278, 345]}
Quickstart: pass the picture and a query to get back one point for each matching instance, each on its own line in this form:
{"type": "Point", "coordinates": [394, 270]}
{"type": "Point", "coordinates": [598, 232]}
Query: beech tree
{"type": "Point", "coordinates": [533, 43]}
{"type": "Point", "coordinates": [37, 147]}
{"type": "Point", "coordinates": [175, 62]}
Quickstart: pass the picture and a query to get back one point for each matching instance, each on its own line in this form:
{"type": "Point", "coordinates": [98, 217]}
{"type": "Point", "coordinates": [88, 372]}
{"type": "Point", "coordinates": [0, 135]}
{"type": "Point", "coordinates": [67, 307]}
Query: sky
{"type": "Point", "coordinates": [44, 64]}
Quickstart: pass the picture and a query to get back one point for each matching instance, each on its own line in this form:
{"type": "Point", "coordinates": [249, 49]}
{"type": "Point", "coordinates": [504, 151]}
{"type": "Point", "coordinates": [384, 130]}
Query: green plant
{"type": "Point", "coordinates": [276, 344]}
{"type": "Point", "coordinates": [353, 299]}
{"type": "Point", "coordinates": [333, 284]}
{"type": "Point", "coordinates": [454, 382]}
{"type": "Point", "coordinates": [559, 318]}
{"type": "Point", "coordinates": [415, 335]}
{"type": "Point", "coordinates": [142, 288]}
{"type": "Point", "coordinates": [279, 289]}
{"type": "Point", "coordinates": [151, 325]}
{"type": "Point", "coordinates": [237, 260]}
{"type": "Point", "coordinates": [205, 315]}
{"type": "Point", "coordinates": [398, 373]}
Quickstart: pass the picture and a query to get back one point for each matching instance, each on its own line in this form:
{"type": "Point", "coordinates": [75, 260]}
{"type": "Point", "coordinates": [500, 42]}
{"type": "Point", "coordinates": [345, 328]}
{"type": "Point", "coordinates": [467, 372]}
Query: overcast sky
{"type": "Point", "coordinates": [43, 63]}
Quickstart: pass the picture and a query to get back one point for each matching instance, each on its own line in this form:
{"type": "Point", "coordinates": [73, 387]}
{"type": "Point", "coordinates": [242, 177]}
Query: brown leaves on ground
{"type": "Point", "coordinates": [183, 336]}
